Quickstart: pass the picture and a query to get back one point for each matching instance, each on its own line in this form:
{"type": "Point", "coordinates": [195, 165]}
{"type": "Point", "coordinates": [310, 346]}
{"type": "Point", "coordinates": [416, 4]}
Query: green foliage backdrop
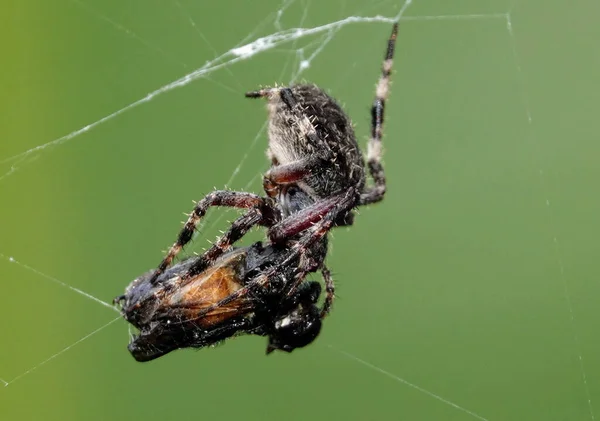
{"type": "Point", "coordinates": [476, 280]}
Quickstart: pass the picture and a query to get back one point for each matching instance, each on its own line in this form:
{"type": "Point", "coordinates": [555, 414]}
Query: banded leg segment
{"type": "Point", "coordinates": [225, 198]}
{"type": "Point", "coordinates": [237, 230]}
{"type": "Point", "coordinates": [377, 191]}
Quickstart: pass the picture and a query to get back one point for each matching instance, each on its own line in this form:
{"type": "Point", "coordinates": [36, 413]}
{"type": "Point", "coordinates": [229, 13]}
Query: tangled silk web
{"type": "Point", "coordinates": [246, 50]}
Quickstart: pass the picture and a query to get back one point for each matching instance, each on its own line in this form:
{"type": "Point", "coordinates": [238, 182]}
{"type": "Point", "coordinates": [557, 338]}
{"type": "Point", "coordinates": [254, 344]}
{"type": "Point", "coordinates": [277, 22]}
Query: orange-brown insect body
{"type": "Point", "coordinates": [207, 289]}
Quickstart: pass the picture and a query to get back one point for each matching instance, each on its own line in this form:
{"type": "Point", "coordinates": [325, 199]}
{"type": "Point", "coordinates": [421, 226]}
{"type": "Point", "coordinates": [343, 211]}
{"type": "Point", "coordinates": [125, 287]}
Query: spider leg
{"type": "Point", "coordinates": [312, 236]}
{"type": "Point", "coordinates": [330, 292]}
{"type": "Point", "coordinates": [299, 248]}
{"type": "Point", "coordinates": [306, 218]}
{"type": "Point", "coordinates": [217, 198]}
{"type": "Point", "coordinates": [237, 230]}
{"type": "Point", "coordinates": [288, 174]}
{"type": "Point", "coordinates": [377, 191]}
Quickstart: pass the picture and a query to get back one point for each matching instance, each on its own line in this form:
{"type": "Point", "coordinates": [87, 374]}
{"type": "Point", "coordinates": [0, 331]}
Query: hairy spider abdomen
{"type": "Point", "coordinates": [341, 161]}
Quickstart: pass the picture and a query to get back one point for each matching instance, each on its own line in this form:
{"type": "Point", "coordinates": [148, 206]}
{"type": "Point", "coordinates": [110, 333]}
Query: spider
{"type": "Point", "coordinates": [207, 308]}
{"type": "Point", "coordinates": [317, 178]}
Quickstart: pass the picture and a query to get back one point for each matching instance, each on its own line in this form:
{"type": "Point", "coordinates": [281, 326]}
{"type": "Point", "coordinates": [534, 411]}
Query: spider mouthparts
{"type": "Point", "coordinates": [270, 349]}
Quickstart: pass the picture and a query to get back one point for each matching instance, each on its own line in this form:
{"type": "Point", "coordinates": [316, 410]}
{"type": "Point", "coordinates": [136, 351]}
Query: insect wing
{"type": "Point", "coordinates": [210, 287]}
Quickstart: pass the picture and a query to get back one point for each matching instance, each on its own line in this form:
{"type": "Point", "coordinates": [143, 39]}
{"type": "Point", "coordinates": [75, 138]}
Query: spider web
{"type": "Point", "coordinates": [142, 155]}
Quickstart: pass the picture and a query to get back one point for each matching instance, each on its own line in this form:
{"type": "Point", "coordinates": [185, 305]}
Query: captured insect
{"type": "Point", "coordinates": [241, 292]}
{"type": "Point", "coordinates": [316, 180]}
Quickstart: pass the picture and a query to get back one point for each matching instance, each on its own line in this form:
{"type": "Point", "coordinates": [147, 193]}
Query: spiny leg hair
{"type": "Point", "coordinates": [217, 198]}
{"type": "Point", "coordinates": [237, 230]}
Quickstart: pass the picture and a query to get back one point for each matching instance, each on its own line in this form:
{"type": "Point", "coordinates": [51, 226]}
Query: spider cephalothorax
{"type": "Point", "coordinates": [317, 177]}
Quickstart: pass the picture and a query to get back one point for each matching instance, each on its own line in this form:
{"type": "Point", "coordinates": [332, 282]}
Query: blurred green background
{"type": "Point", "coordinates": [476, 280]}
